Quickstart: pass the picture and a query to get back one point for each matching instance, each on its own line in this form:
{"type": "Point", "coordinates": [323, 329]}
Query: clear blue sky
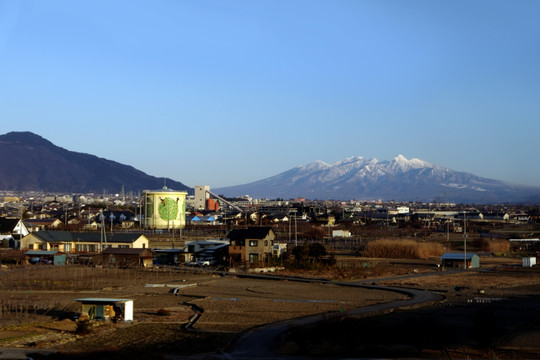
{"type": "Point", "coordinates": [228, 92]}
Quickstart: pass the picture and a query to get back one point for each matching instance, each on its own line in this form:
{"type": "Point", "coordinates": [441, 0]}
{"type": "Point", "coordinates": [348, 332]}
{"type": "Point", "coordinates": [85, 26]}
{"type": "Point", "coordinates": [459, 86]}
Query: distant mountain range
{"type": "Point", "coordinates": [399, 179]}
{"type": "Point", "coordinates": [29, 162]}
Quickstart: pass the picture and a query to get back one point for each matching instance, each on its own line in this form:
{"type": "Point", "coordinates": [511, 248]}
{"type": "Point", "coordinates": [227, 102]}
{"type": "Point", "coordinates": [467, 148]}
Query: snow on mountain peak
{"type": "Point", "coordinates": [316, 165]}
{"type": "Point", "coordinates": [405, 164]}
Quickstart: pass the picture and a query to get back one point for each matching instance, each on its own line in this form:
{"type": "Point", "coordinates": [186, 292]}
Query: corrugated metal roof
{"type": "Point", "coordinates": [66, 236]}
{"type": "Point", "coordinates": [41, 252]}
{"type": "Point", "coordinates": [102, 300]}
{"type": "Point", "coordinates": [457, 256]}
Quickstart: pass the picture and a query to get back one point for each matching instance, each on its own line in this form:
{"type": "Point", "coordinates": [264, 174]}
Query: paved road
{"type": "Point", "coordinates": [260, 342]}
{"type": "Point", "coordinates": [21, 353]}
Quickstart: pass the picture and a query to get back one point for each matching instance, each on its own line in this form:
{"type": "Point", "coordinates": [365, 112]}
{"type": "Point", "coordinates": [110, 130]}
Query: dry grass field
{"type": "Point", "coordinates": [38, 307]}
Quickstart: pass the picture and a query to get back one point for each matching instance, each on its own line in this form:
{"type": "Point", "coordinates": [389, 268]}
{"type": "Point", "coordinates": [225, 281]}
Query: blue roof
{"type": "Point", "coordinates": [457, 256]}
{"type": "Point", "coordinates": [102, 300]}
{"type": "Point", "coordinates": [41, 252]}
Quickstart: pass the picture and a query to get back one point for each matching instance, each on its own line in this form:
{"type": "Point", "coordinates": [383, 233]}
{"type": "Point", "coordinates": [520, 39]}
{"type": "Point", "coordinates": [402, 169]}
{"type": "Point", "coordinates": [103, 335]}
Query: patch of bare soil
{"type": "Point", "coordinates": [496, 328]}
{"type": "Point", "coordinates": [142, 341]}
{"type": "Point", "coordinates": [233, 304]}
{"type": "Point", "coordinates": [487, 314]}
{"type": "Point", "coordinates": [230, 304]}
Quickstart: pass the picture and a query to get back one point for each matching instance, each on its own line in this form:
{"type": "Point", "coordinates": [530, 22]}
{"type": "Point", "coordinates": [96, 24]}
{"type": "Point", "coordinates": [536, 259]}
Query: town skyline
{"type": "Point", "coordinates": [230, 93]}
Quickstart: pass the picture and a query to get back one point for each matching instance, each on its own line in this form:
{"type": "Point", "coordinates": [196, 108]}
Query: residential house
{"type": "Point", "coordinates": [81, 242]}
{"type": "Point", "coordinates": [13, 226]}
{"type": "Point", "coordinates": [216, 250]}
{"type": "Point", "coordinates": [254, 244]}
{"type": "Point", "coordinates": [42, 224]}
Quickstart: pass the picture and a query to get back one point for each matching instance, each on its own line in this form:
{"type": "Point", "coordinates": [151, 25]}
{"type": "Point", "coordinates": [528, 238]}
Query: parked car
{"type": "Point", "coordinates": [209, 261]}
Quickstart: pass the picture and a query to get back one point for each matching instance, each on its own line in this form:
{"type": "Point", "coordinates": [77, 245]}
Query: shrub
{"type": "Point", "coordinates": [83, 327]}
{"type": "Point", "coordinates": [495, 245]}
{"type": "Point", "coordinates": [163, 312]}
{"type": "Point", "coordinates": [402, 249]}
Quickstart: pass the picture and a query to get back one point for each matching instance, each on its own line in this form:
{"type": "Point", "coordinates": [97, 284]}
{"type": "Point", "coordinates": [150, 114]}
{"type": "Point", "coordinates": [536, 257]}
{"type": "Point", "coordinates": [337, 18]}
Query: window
{"type": "Point", "coordinates": [265, 242]}
{"type": "Point", "coordinates": [123, 246]}
{"type": "Point", "coordinates": [253, 243]}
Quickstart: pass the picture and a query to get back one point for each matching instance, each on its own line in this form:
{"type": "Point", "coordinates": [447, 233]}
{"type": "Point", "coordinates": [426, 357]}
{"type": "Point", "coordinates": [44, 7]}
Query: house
{"type": "Point", "coordinates": [458, 259]}
{"type": "Point", "coordinates": [107, 309]}
{"type": "Point", "coordinates": [81, 242]}
{"type": "Point", "coordinates": [255, 244]}
{"type": "Point", "coordinates": [124, 258]}
{"type": "Point", "coordinates": [216, 249]}
{"type": "Point", "coordinates": [7, 241]}
{"type": "Point", "coordinates": [91, 226]}
{"type": "Point", "coordinates": [42, 224]}
{"type": "Point", "coordinates": [13, 226]}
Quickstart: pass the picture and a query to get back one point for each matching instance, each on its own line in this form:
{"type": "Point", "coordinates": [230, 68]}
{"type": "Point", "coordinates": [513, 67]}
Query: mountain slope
{"type": "Point", "coordinates": [399, 179]}
{"type": "Point", "coordinates": [30, 162]}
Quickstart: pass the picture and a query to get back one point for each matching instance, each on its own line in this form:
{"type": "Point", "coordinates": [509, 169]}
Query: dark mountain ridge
{"type": "Point", "coordinates": [29, 162]}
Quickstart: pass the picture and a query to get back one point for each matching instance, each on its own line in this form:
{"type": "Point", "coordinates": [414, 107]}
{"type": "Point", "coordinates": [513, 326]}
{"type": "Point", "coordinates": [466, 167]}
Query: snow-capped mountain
{"type": "Point", "coordinates": [399, 179]}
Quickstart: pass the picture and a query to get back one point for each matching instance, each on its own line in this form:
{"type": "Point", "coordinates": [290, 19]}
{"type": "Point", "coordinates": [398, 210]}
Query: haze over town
{"type": "Point", "coordinates": [226, 93]}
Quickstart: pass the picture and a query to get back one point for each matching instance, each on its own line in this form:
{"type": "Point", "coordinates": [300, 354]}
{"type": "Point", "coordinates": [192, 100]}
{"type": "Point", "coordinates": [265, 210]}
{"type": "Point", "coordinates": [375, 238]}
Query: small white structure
{"type": "Point", "coordinates": [529, 261]}
{"type": "Point", "coordinates": [341, 233]}
{"type": "Point", "coordinates": [107, 309]}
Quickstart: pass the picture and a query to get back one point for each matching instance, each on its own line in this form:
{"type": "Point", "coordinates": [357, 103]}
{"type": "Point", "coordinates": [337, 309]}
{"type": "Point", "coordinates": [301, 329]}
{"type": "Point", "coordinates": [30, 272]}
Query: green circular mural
{"type": "Point", "coordinates": [168, 209]}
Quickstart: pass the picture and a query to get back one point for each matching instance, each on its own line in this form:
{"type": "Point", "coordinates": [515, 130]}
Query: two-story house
{"type": "Point", "coordinates": [253, 245]}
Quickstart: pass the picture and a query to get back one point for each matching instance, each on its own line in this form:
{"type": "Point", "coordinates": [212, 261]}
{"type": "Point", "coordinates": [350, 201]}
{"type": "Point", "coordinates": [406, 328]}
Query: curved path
{"type": "Point", "coordinates": [260, 342]}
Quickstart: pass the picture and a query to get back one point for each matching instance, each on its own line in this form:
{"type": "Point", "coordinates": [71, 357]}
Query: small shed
{"type": "Point", "coordinates": [125, 257]}
{"type": "Point", "coordinates": [46, 257]}
{"type": "Point", "coordinates": [107, 309]}
{"type": "Point", "coordinates": [529, 261]}
{"type": "Point", "coordinates": [458, 259]}
{"type": "Point", "coordinates": [168, 256]}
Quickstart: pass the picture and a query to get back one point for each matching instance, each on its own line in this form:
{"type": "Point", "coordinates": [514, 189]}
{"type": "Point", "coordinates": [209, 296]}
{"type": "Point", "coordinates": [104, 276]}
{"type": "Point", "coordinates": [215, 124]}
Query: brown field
{"type": "Point", "coordinates": [38, 304]}
{"type": "Point", "coordinates": [39, 318]}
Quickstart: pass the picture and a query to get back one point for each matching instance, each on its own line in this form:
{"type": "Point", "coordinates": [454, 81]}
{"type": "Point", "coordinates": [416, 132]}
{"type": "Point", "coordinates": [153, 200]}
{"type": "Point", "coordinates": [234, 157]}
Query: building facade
{"type": "Point", "coordinates": [164, 209]}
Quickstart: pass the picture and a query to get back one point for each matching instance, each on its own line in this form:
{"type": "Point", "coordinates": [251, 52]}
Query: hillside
{"type": "Point", "coordinates": [30, 162]}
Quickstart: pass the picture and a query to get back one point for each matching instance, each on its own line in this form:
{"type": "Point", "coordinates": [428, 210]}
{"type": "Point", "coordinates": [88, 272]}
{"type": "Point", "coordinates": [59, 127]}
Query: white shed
{"type": "Point", "coordinates": [529, 261]}
{"type": "Point", "coordinates": [107, 309]}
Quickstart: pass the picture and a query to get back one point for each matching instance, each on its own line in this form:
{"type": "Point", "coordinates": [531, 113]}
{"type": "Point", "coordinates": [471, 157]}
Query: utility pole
{"type": "Point", "coordinates": [290, 221]}
{"type": "Point", "coordinates": [295, 231]}
{"type": "Point", "coordinates": [103, 239]}
{"type": "Point", "coordinates": [465, 240]}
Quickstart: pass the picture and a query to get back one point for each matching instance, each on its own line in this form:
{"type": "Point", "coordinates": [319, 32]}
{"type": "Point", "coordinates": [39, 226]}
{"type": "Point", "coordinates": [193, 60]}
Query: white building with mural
{"type": "Point", "coordinates": [164, 209]}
